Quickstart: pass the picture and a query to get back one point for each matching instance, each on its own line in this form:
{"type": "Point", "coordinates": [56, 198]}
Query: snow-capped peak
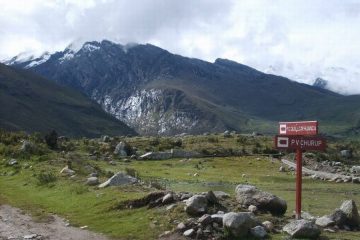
{"type": "Point", "coordinates": [37, 61]}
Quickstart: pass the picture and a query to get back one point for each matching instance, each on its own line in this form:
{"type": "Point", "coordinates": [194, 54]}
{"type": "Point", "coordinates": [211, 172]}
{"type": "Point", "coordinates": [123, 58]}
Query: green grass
{"type": "Point", "coordinates": [84, 205]}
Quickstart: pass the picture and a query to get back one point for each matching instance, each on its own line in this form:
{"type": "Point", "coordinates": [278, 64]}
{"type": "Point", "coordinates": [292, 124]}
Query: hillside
{"type": "Point", "coordinates": [31, 103]}
{"type": "Point", "coordinates": [157, 92]}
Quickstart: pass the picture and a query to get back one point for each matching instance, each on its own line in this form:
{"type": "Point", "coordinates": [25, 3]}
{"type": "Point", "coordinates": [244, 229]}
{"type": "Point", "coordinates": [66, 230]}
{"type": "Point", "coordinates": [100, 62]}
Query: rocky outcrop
{"type": "Point", "coordinates": [119, 178]}
{"type": "Point", "coordinates": [247, 195]}
{"type": "Point", "coordinates": [239, 224]}
{"type": "Point", "coordinates": [196, 205]}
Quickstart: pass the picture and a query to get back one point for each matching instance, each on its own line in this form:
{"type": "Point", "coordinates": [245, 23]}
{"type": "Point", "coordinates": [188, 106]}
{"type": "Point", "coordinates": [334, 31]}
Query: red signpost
{"type": "Point", "coordinates": [299, 136]}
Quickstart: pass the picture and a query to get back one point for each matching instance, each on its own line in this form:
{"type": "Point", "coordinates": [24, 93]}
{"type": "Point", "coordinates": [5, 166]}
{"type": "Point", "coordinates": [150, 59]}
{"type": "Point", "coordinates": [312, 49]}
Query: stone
{"type": "Point", "coordinates": [269, 226]}
{"type": "Point", "coordinates": [196, 205]}
{"type": "Point", "coordinates": [258, 232]}
{"type": "Point", "coordinates": [105, 138]}
{"type": "Point", "coordinates": [248, 195]}
{"type": "Point", "coordinates": [218, 218]}
{"type": "Point", "coordinates": [252, 208]}
{"type": "Point", "coordinates": [355, 169]}
{"type": "Point", "coordinates": [168, 198]}
{"type": "Point", "coordinates": [92, 181]}
{"type": "Point", "coordinates": [239, 224]}
{"type": "Point", "coordinates": [226, 133]}
{"type": "Point", "coordinates": [221, 194]}
{"type": "Point", "coordinates": [27, 146]}
{"type": "Point", "coordinates": [12, 162]}
{"type": "Point", "coordinates": [339, 217]}
{"type": "Point", "coordinates": [66, 171]}
{"type": "Point", "coordinates": [350, 209]}
{"type": "Point", "coordinates": [282, 169]}
{"type": "Point", "coordinates": [30, 236]}
{"type": "Point", "coordinates": [171, 206]}
{"type": "Point", "coordinates": [184, 196]}
{"type": "Point", "coordinates": [205, 219]}
{"type": "Point", "coordinates": [94, 174]}
{"type": "Point", "coordinates": [189, 232]}
{"type": "Point", "coordinates": [324, 221]}
{"type": "Point", "coordinates": [307, 216]}
{"type": "Point", "coordinates": [181, 226]}
{"type": "Point", "coordinates": [120, 149]}
{"type": "Point", "coordinates": [210, 196]}
{"type": "Point", "coordinates": [119, 178]}
{"type": "Point", "coordinates": [346, 153]}
{"type": "Point", "coordinates": [302, 229]}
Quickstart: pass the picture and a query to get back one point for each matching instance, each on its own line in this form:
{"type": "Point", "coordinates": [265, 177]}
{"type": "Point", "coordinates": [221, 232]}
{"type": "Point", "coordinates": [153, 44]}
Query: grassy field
{"type": "Point", "coordinates": [21, 186]}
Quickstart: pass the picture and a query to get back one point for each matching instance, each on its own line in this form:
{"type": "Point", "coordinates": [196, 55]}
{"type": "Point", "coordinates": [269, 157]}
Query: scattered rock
{"type": "Point", "coordinates": [92, 181]}
{"type": "Point", "coordinates": [339, 217]}
{"type": "Point", "coordinates": [12, 162]}
{"type": "Point", "coordinates": [346, 153]}
{"type": "Point", "coordinates": [171, 206]}
{"type": "Point", "coordinates": [248, 195]}
{"type": "Point", "coordinates": [181, 226]}
{"type": "Point", "coordinates": [196, 205]}
{"type": "Point", "coordinates": [119, 178]}
{"type": "Point", "coordinates": [239, 224]}
{"type": "Point", "coordinates": [258, 232]}
{"type": "Point", "coordinates": [105, 138]}
{"type": "Point", "coordinates": [205, 219]}
{"type": "Point", "coordinates": [302, 229]}
{"type": "Point", "coordinates": [355, 169]}
{"type": "Point", "coordinates": [218, 218]}
{"type": "Point", "coordinates": [356, 179]}
{"type": "Point", "coordinates": [27, 146]}
{"type": "Point", "coordinates": [30, 236]}
{"type": "Point", "coordinates": [324, 221]}
{"type": "Point", "coordinates": [220, 194]}
{"type": "Point", "coordinates": [282, 169]}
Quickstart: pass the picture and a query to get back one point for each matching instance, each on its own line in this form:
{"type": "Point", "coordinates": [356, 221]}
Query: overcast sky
{"type": "Point", "coordinates": [301, 39]}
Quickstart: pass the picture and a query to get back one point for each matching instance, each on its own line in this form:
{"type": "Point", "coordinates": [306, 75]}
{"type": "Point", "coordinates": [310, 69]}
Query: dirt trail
{"type": "Point", "coordinates": [324, 175]}
{"type": "Point", "coordinates": [16, 225]}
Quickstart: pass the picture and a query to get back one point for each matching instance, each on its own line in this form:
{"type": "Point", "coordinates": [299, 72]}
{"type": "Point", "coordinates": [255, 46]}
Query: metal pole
{"type": "Point", "coordinates": [298, 183]}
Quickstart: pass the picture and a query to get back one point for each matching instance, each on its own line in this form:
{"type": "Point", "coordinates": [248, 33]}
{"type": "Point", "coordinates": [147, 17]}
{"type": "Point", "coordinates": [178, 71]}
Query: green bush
{"type": "Point", "coordinates": [44, 178]}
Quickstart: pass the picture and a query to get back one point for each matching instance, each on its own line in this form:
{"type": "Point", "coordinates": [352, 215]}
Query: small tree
{"type": "Point", "coordinates": [51, 139]}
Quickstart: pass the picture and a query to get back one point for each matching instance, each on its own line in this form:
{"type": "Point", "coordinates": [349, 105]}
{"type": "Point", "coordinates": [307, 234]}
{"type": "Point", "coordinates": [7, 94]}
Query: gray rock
{"type": "Point", "coordinates": [239, 224]}
{"type": "Point", "coordinates": [92, 181]}
{"type": "Point", "coordinates": [248, 195]}
{"type": "Point", "coordinates": [30, 236]}
{"type": "Point", "coordinates": [189, 232]}
{"type": "Point", "coordinates": [66, 171]}
{"type": "Point", "coordinates": [351, 212]}
{"type": "Point", "coordinates": [171, 206]}
{"type": "Point", "coordinates": [12, 162]}
{"type": "Point", "coordinates": [339, 217]}
{"type": "Point", "coordinates": [218, 218]}
{"type": "Point", "coordinates": [181, 226]}
{"type": "Point", "coordinates": [356, 179]}
{"type": "Point", "coordinates": [221, 194]}
{"type": "Point", "coordinates": [168, 198]}
{"type": "Point", "coordinates": [258, 232]}
{"type": "Point", "coordinates": [119, 178]}
{"type": "Point", "coordinates": [269, 226]}
{"type": "Point", "coordinates": [307, 216]}
{"type": "Point", "coordinates": [302, 229]}
{"type": "Point", "coordinates": [355, 169]}
{"type": "Point", "coordinates": [196, 205]}
{"type": "Point", "coordinates": [205, 219]}
{"type": "Point", "coordinates": [346, 153]}
{"type": "Point", "coordinates": [120, 149]}
{"type": "Point", "coordinates": [252, 208]}
{"type": "Point", "coordinates": [27, 146]}
{"type": "Point", "coordinates": [282, 169]}
{"type": "Point", "coordinates": [210, 196]}
{"type": "Point", "coordinates": [105, 138]}
{"type": "Point", "coordinates": [324, 221]}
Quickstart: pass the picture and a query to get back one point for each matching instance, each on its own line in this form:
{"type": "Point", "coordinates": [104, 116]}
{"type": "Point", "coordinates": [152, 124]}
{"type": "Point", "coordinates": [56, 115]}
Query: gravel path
{"type": "Point", "coordinates": [16, 225]}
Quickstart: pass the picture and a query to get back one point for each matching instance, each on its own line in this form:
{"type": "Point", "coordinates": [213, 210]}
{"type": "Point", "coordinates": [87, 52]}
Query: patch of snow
{"type": "Point", "coordinates": [90, 47]}
{"type": "Point", "coordinates": [39, 60]}
{"type": "Point", "coordinates": [69, 54]}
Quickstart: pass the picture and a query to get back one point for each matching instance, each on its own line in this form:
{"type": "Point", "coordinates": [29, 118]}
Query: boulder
{"type": "Point", "coordinates": [210, 196]}
{"type": "Point", "coordinates": [302, 229]}
{"type": "Point", "coordinates": [205, 219]}
{"type": "Point", "coordinates": [120, 149]}
{"type": "Point", "coordinates": [218, 218]}
{"type": "Point", "coordinates": [258, 232]}
{"type": "Point", "coordinates": [346, 153]}
{"type": "Point", "coordinates": [356, 179]}
{"type": "Point", "coordinates": [12, 162]}
{"type": "Point", "coordinates": [92, 181]}
{"type": "Point", "coordinates": [220, 194]}
{"type": "Point", "coordinates": [196, 205]}
{"type": "Point", "coordinates": [248, 195]}
{"type": "Point", "coordinates": [324, 221]}
{"type": "Point", "coordinates": [119, 178]}
{"type": "Point", "coordinates": [189, 232]}
{"type": "Point", "coordinates": [239, 224]}
{"type": "Point", "coordinates": [252, 209]}
{"type": "Point", "coordinates": [355, 169]}
{"type": "Point", "coordinates": [351, 212]}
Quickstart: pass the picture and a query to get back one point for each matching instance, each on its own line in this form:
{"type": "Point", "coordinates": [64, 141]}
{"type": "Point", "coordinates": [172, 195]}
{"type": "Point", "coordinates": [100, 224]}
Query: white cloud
{"type": "Point", "coordinates": [301, 39]}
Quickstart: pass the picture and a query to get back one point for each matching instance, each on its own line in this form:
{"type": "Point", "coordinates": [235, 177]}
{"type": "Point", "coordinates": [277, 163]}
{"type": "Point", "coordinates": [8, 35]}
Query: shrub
{"type": "Point", "coordinates": [44, 178]}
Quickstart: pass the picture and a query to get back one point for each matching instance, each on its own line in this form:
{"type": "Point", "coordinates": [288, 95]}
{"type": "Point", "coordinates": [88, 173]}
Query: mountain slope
{"type": "Point", "coordinates": [157, 92]}
{"type": "Point", "coordinates": [31, 103]}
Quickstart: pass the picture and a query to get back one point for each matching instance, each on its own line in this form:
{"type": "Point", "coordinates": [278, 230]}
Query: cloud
{"type": "Point", "coordinates": [300, 39]}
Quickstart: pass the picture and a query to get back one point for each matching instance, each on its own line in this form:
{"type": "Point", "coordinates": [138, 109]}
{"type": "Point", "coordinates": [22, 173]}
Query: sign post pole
{"type": "Point", "coordinates": [298, 183]}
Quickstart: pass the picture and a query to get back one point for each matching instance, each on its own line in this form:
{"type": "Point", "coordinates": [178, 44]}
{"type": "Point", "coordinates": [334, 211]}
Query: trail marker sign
{"type": "Point", "coordinates": [299, 136]}
{"type": "Point", "coordinates": [298, 128]}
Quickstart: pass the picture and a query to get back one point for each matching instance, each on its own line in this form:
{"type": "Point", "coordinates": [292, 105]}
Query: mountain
{"type": "Point", "coordinates": [320, 83]}
{"type": "Point", "coordinates": [157, 92]}
{"type": "Point", "coordinates": [31, 103]}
